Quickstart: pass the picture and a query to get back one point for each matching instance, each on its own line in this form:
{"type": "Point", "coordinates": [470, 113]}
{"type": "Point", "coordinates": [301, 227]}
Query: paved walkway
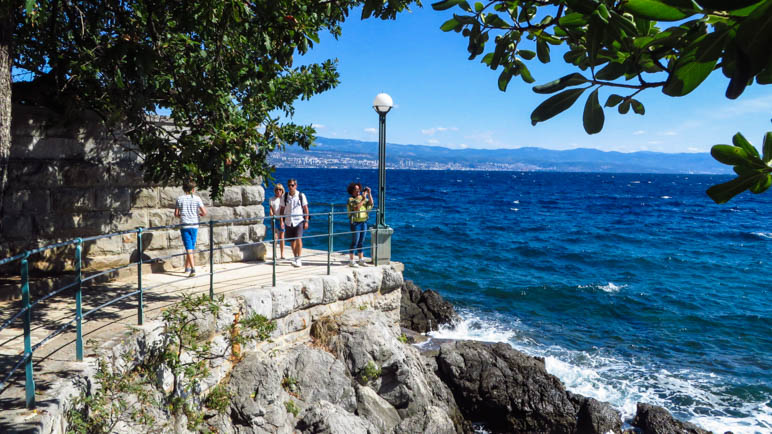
{"type": "Point", "coordinates": [56, 358]}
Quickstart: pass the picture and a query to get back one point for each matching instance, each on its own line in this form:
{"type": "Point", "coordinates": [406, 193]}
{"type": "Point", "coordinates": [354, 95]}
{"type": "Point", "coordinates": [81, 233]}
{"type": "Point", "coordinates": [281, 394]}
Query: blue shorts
{"type": "Point", "coordinates": [189, 238]}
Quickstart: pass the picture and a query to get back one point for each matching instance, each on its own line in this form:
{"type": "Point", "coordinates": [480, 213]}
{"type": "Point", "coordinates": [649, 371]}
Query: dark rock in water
{"type": "Point", "coordinates": [424, 311]}
{"type": "Point", "coordinates": [652, 419]}
{"type": "Point", "coordinates": [512, 392]}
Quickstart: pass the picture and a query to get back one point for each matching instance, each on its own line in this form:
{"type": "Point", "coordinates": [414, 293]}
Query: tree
{"type": "Point", "coordinates": [222, 68]}
{"type": "Point", "coordinates": [619, 45]}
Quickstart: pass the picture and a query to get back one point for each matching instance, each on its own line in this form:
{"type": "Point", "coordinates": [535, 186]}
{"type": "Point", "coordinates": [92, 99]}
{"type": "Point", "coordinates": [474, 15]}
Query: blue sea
{"type": "Point", "coordinates": [633, 287]}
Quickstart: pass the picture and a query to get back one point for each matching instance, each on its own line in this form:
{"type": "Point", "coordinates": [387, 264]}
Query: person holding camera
{"type": "Point", "coordinates": [358, 207]}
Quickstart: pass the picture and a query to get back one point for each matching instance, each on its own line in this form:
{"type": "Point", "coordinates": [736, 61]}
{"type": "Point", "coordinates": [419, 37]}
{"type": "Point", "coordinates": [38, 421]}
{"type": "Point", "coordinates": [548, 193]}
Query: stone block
{"type": "Point", "coordinates": [118, 199]}
{"type": "Point", "coordinates": [258, 301]}
{"type": "Point", "coordinates": [104, 262]}
{"type": "Point", "coordinates": [368, 279]}
{"type": "Point", "coordinates": [155, 240]}
{"type": "Point", "coordinates": [205, 197]}
{"type": "Point", "coordinates": [162, 217]}
{"type": "Point", "coordinates": [220, 213]}
{"type": "Point", "coordinates": [392, 279]}
{"type": "Point", "coordinates": [168, 196]}
{"type": "Point", "coordinates": [282, 299]}
{"type": "Point", "coordinates": [145, 198]}
{"type": "Point", "coordinates": [83, 174]}
{"type": "Point", "coordinates": [46, 148]}
{"type": "Point", "coordinates": [126, 174]}
{"type": "Point", "coordinates": [104, 246]}
{"type": "Point", "coordinates": [33, 173]}
{"type": "Point", "coordinates": [238, 234]}
{"type": "Point", "coordinates": [13, 201]}
{"type": "Point", "coordinates": [73, 199]}
{"type": "Point", "coordinates": [221, 235]}
{"type": "Point", "coordinates": [252, 195]}
{"type": "Point", "coordinates": [18, 227]}
{"type": "Point", "coordinates": [249, 212]}
{"type": "Point", "coordinates": [231, 196]}
{"type": "Point", "coordinates": [309, 293]}
{"type": "Point", "coordinates": [95, 222]}
{"type": "Point", "coordinates": [130, 220]}
{"type": "Point", "coordinates": [257, 232]}
{"type": "Point", "coordinates": [295, 322]}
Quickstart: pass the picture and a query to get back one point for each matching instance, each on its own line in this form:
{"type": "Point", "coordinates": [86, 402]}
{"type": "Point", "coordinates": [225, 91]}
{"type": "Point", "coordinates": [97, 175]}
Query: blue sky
{"type": "Point", "coordinates": [443, 99]}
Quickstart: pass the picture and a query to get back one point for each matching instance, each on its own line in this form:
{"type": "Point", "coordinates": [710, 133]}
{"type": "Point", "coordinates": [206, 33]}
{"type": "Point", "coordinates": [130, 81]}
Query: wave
{"type": "Point", "coordinates": [704, 399]}
{"type": "Point", "coordinates": [763, 235]}
{"type": "Point", "coordinates": [609, 287]}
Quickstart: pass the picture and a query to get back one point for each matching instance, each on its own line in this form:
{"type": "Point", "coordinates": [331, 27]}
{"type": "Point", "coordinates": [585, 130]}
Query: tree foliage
{"type": "Point", "coordinates": [222, 68]}
{"type": "Point", "coordinates": [626, 47]}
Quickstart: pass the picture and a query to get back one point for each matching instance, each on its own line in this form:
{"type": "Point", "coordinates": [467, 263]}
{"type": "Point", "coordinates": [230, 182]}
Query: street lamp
{"type": "Point", "coordinates": [382, 104]}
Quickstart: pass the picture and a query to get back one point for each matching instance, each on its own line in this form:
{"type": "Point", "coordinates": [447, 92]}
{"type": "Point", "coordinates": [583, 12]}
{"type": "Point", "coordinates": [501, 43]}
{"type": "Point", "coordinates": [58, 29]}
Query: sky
{"type": "Point", "coordinates": [443, 99]}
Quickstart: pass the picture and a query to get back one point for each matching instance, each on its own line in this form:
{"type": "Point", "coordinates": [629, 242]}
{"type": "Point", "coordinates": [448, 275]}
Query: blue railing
{"type": "Point", "coordinates": [79, 280]}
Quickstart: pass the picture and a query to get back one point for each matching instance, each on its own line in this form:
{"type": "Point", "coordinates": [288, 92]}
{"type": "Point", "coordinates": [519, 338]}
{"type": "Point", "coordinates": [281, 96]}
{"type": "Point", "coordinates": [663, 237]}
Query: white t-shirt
{"type": "Point", "coordinates": [294, 207]}
{"type": "Point", "coordinates": [188, 205]}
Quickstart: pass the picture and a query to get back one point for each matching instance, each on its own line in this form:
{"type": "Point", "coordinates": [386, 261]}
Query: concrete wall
{"type": "Point", "coordinates": [75, 180]}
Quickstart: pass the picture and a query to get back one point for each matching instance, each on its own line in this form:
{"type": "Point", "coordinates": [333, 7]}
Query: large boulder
{"type": "Point", "coordinates": [652, 419]}
{"type": "Point", "coordinates": [512, 392]}
{"type": "Point", "coordinates": [326, 418]}
{"type": "Point", "coordinates": [424, 311]}
{"type": "Point", "coordinates": [315, 375]}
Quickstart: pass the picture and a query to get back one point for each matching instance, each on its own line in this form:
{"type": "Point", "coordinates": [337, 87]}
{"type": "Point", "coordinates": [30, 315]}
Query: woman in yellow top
{"type": "Point", "coordinates": [358, 207]}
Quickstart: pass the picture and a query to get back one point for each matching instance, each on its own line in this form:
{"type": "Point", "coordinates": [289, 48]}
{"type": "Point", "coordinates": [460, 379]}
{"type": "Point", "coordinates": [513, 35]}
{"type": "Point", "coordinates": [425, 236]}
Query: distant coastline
{"type": "Point", "coordinates": [353, 154]}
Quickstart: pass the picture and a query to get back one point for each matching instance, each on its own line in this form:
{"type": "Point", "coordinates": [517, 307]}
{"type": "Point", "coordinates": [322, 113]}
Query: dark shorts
{"type": "Point", "coordinates": [294, 231]}
{"type": "Point", "coordinates": [189, 238]}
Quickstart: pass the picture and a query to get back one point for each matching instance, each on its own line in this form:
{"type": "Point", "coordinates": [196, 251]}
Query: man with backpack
{"type": "Point", "coordinates": [294, 206]}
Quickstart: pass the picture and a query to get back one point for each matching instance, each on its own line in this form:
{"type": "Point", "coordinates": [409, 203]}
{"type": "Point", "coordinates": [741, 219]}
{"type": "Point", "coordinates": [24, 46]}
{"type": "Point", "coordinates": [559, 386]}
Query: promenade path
{"type": "Point", "coordinates": [56, 358]}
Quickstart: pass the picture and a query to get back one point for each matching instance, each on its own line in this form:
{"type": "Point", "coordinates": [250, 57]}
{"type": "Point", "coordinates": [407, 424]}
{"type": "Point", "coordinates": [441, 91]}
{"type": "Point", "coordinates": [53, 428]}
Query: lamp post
{"type": "Point", "coordinates": [381, 234]}
{"type": "Point", "coordinates": [382, 104]}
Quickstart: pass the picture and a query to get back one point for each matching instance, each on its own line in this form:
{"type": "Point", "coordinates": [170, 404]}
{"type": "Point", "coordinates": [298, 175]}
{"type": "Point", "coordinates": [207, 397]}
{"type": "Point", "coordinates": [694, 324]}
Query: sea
{"type": "Point", "coordinates": [633, 287]}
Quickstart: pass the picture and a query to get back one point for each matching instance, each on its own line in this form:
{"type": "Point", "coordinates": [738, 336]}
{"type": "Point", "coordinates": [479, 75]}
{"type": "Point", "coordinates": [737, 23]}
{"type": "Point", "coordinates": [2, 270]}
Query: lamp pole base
{"type": "Point", "coordinates": [381, 244]}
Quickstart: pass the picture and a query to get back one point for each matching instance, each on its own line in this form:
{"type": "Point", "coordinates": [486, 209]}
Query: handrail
{"type": "Point", "coordinates": [27, 306]}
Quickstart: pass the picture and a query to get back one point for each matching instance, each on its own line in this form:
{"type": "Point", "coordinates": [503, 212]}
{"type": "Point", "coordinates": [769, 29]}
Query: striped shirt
{"type": "Point", "coordinates": [189, 205]}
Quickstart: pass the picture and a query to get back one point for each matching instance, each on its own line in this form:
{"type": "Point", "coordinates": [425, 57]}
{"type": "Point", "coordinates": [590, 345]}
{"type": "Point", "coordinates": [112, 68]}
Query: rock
{"type": "Point", "coordinates": [424, 311]}
{"type": "Point", "coordinates": [512, 392]}
{"type": "Point", "coordinates": [325, 418]}
{"type": "Point", "coordinates": [257, 403]}
{"type": "Point", "coordinates": [433, 421]}
{"type": "Point", "coordinates": [376, 410]}
{"type": "Point", "coordinates": [318, 376]}
{"type": "Point", "coordinates": [652, 419]}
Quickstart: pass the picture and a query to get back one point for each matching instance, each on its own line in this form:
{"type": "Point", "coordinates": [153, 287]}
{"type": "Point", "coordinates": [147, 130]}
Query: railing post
{"type": "Point", "coordinates": [78, 304]}
{"type": "Point", "coordinates": [30, 382]}
{"type": "Point", "coordinates": [211, 259]}
{"type": "Point", "coordinates": [140, 311]}
{"type": "Point", "coordinates": [330, 228]}
{"type": "Point", "coordinates": [375, 242]}
{"type": "Point", "coordinates": [273, 236]}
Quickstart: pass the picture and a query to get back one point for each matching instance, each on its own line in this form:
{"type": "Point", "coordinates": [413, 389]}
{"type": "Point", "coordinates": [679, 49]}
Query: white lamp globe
{"type": "Point", "coordinates": [383, 103]}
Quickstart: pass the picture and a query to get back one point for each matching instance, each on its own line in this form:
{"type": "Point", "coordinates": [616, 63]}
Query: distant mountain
{"type": "Point", "coordinates": [330, 152]}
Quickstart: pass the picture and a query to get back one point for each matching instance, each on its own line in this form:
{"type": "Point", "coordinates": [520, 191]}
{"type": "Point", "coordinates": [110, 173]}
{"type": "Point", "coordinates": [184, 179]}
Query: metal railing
{"type": "Point", "coordinates": [27, 304]}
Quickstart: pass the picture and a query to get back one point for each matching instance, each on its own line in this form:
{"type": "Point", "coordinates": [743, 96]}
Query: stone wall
{"type": "Point", "coordinates": [69, 181]}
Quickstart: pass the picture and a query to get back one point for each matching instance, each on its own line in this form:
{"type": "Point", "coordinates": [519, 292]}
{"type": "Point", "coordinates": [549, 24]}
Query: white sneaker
{"type": "Point", "coordinates": [362, 263]}
{"type": "Point", "coordinates": [352, 263]}
{"type": "Point", "coordinates": [294, 262]}
{"type": "Point", "coordinates": [298, 262]}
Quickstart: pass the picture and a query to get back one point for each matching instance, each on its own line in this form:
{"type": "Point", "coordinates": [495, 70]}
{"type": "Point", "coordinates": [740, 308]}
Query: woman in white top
{"type": "Point", "coordinates": [278, 227]}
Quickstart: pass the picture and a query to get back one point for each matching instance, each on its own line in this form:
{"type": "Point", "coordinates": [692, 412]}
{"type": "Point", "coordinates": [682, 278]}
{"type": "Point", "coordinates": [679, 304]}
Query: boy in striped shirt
{"type": "Point", "coordinates": [189, 208]}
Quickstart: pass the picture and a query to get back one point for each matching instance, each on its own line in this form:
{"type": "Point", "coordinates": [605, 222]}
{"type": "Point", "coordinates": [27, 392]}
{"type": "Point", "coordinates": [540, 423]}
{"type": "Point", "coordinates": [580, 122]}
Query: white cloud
{"type": "Point", "coordinates": [429, 132]}
{"type": "Point", "coordinates": [693, 149]}
{"type": "Point", "coordinates": [639, 132]}
{"type": "Point", "coordinates": [742, 107]}
{"type": "Point", "coordinates": [433, 141]}
{"type": "Point", "coordinates": [318, 126]}
{"type": "Point", "coordinates": [654, 142]}
{"type": "Point", "coordinates": [669, 133]}
{"type": "Point", "coordinates": [371, 130]}
{"type": "Point", "coordinates": [433, 130]}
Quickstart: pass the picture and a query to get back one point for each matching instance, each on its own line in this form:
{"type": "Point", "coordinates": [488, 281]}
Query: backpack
{"type": "Point", "coordinates": [300, 197]}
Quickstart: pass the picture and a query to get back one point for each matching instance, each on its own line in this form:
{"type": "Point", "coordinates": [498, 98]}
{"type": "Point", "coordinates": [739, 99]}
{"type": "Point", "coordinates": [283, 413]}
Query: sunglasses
{"type": "Point", "coordinates": [292, 185]}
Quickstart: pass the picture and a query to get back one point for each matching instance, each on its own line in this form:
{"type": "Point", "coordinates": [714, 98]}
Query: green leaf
{"type": "Point", "coordinates": [525, 74]}
{"type": "Point", "coordinates": [611, 71]}
{"type": "Point", "coordinates": [637, 106]}
{"type": "Point", "coordinates": [613, 100]}
{"type": "Point", "coordinates": [526, 54]}
{"type": "Point", "coordinates": [624, 107]}
{"type": "Point", "coordinates": [731, 155]}
{"type": "Point", "coordinates": [494, 20]}
{"type": "Point", "coordinates": [767, 148]}
{"type": "Point", "coordinates": [543, 51]}
{"type": "Point", "coordinates": [721, 193]}
{"type": "Point", "coordinates": [754, 37]}
{"type": "Point", "coordinates": [444, 5]}
{"type": "Point", "coordinates": [574, 79]}
{"type": "Point", "coordinates": [593, 117]}
{"type": "Point", "coordinates": [504, 78]}
{"type": "Point", "coordinates": [555, 105]}
{"type": "Point", "coordinates": [574, 19]}
{"type": "Point", "coordinates": [762, 185]}
{"type": "Point", "coordinates": [658, 10]}
{"type": "Point", "coordinates": [687, 74]}
{"type": "Point", "coordinates": [741, 142]}
{"type": "Point", "coordinates": [29, 6]}
{"type": "Point", "coordinates": [449, 25]}
{"type": "Point", "coordinates": [725, 5]}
